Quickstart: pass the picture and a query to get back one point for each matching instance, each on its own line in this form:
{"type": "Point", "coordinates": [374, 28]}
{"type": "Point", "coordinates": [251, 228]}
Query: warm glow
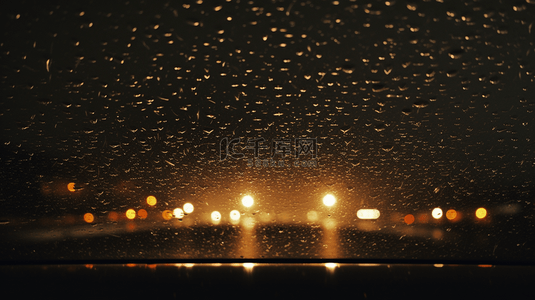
{"type": "Point", "coordinates": [178, 213]}
{"type": "Point", "coordinates": [437, 213]}
{"type": "Point", "coordinates": [481, 213]}
{"type": "Point", "coordinates": [167, 215]}
{"type": "Point", "coordinates": [142, 213]}
{"type": "Point", "coordinates": [409, 219]}
{"type": "Point", "coordinates": [188, 208]}
{"type": "Point", "coordinates": [151, 200]}
{"type": "Point", "coordinates": [368, 214]}
{"type": "Point", "coordinates": [130, 214]}
{"type": "Point", "coordinates": [216, 216]}
{"type": "Point", "coordinates": [88, 217]}
{"type": "Point", "coordinates": [331, 266]}
{"type": "Point", "coordinates": [329, 200]}
{"type": "Point", "coordinates": [113, 216]}
{"type": "Point", "coordinates": [248, 266]}
{"type": "Point", "coordinates": [235, 215]}
{"type": "Point", "coordinates": [247, 201]}
{"type": "Point", "coordinates": [70, 187]}
{"type": "Point", "coordinates": [312, 216]}
{"type": "Point", "coordinates": [451, 214]}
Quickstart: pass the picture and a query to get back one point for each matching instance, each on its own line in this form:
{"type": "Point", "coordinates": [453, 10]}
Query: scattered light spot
{"type": "Point", "coordinates": [481, 213]}
{"type": "Point", "coordinates": [312, 216]}
{"type": "Point", "coordinates": [178, 213]}
{"type": "Point", "coordinates": [451, 214]}
{"type": "Point", "coordinates": [70, 187]}
{"type": "Point", "coordinates": [438, 265]}
{"type": "Point", "coordinates": [216, 216]}
{"type": "Point", "coordinates": [130, 214]}
{"type": "Point", "coordinates": [188, 208]}
{"type": "Point", "coordinates": [368, 214]}
{"type": "Point", "coordinates": [247, 201]}
{"type": "Point", "coordinates": [234, 215]}
{"type": "Point", "coordinates": [437, 213]}
{"type": "Point", "coordinates": [113, 216]}
{"type": "Point", "coordinates": [409, 219]}
{"type": "Point", "coordinates": [151, 200]}
{"type": "Point", "coordinates": [167, 215]}
{"type": "Point", "coordinates": [331, 266]}
{"type": "Point", "coordinates": [329, 200]}
{"type": "Point", "coordinates": [89, 218]}
{"type": "Point", "coordinates": [248, 266]}
{"type": "Point", "coordinates": [142, 213]}
{"type": "Point", "coordinates": [422, 218]}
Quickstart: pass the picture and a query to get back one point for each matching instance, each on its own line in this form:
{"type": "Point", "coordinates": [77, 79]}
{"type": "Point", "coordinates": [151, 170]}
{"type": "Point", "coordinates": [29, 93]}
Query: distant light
{"type": "Point", "coordinates": [368, 214]}
{"type": "Point", "coordinates": [247, 201]}
{"type": "Point", "coordinates": [188, 208]}
{"type": "Point", "coordinates": [142, 213]}
{"type": "Point", "coordinates": [70, 187]}
{"type": "Point", "coordinates": [331, 266]}
{"type": "Point", "coordinates": [89, 218]}
{"type": "Point", "coordinates": [216, 216]}
{"type": "Point", "coordinates": [312, 216]}
{"type": "Point", "coordinates": [167, 215]}
{"type": "Point", "coordinates": [151, 200]}
{"type": "Point", "coordinates": [329, 200]}
{"type": "Point", "coordinates": [113, 216]}
{"type": "Point", "coordinates": [130, 214]}
{"type": "Point", "coordinates": [481, 213]}
{"type": "Point", "coordinates": [178, 213]}
{"type": "Point", "coordinates": [248, 267]}
{"type": "Point", "coordinates": [437, 213]}
{"type": "Point", "coordinates": [451, 214]}
{"type": "Point", "coordinates": [235, 215]}
{"type": "Point", "coordinates": [409, 219]}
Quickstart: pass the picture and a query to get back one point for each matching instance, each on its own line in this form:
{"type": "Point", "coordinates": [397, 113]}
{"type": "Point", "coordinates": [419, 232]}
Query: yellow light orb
{"type": "Point", "coordinates": [71, 186]}
{"type": "Point", "coordinates": [130, 214]}
{"type": "Point", "coordinates": [167, 215]}
{"type": "Point", "coordinates": [329, 200]}
{"type": "Point", "coordinates": [247, 201]}
{"type": "Point", "coordinates": [89, 218]}
{"type": "Point", "coordinates": [151, 200]}
{"type": "Point", "coordinates": [481, 213]}
{"type": "Point", "coordinates": [451, 214]}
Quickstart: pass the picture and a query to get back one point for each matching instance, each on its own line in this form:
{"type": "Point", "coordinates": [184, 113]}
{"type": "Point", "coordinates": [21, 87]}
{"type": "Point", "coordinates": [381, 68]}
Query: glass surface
{"type": "Point", "coordinates": [267, 129]}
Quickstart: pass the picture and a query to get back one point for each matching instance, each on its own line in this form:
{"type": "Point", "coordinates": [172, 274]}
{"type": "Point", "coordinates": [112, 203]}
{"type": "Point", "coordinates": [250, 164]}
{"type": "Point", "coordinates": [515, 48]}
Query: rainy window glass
{"type": "Point", "coordinates": [267, 129]}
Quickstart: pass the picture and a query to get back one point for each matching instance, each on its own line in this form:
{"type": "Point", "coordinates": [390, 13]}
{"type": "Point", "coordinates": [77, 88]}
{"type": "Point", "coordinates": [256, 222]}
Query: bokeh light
{"type": "Point", "coordinates": [142, 214]}
{"type": "Point", "coordinates": [329, 200]}
{"type": "Point", "coordinates": [71, 186]}
{"type": "Point", "coordinates": [481, 213]}
{"type": "Point", "coordinates": [368, 214]}
{"type": "Point", "coordinates": [216, 216]}
{"type": "Point", "coordinates": [437, 213]}
{"type": "Point", "coordinates": [188, 208]}
{"type": "Point", "coordinates": [131, 214]}
{"type": "Point", "coordinates": [247, 201]}
{"type": "Point", "coordinates": [167, 215]}
{"type": "Point", "coordinates": [178, 213]}
{"type": "Point", "coordinates": [89, 218]}
{"type": "Point", "coordinates": [151, 200]}
{"type": "Point", "coordinates": [235, 215]}
{"type": "Point", "coordinates": [113, 216]}
{"type": "Point", "coordinates": [451, 214]}
{"type": "Point", "coordinates": [409, 219]}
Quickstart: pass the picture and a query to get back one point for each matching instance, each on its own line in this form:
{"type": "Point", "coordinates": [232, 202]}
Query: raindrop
{"type": "Point", "coordinates": [456, 54]}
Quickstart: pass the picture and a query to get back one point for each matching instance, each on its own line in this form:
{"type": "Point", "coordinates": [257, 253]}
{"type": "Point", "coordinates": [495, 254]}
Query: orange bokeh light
{"type": "Point", "coordinates": [151, 200]}
{"type": "Point", "coordinates": [167, 215]}
{"type": "Point", "coordinates": [409, 219]}
{"type": "Point", "coordinates": [142, 213]}
{"type": "Point", "coordinates": [70, 187]}
{"type": "Point", "coordinates": [130, 214]}
{"type": "Point", "coordinates": [451, 214]}
{"type": "Point", "coordinates": [89, 218]}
